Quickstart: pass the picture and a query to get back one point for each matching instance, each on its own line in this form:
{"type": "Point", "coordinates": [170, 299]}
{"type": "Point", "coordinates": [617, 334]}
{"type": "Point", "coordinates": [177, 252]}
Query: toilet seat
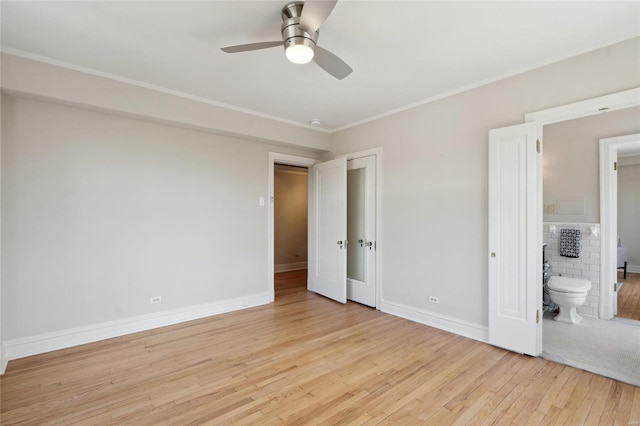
{"type": "Point", "coordinates": [569, 285]}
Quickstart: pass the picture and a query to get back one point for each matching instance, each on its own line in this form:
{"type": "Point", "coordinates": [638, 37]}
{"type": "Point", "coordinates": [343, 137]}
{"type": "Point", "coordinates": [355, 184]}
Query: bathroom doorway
{"type": "Point", "coordinates": [529, 303]}
{"type": "Point", "coordinates": [572, 198]}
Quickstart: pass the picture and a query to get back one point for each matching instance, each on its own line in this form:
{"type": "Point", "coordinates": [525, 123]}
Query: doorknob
{"type": "Point", "coordinates": [343, 244]}
{"type": "Point", "coordinates": [370, 244]}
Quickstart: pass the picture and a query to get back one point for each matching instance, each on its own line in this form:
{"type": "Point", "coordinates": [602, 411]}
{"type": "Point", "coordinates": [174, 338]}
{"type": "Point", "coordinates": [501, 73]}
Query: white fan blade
{"type": "Point", "coordinates": [314, 13]}
{"type": "Point", "coordinates": [251, 46]}
{"type": "Point", "coordinates": [331, 63]}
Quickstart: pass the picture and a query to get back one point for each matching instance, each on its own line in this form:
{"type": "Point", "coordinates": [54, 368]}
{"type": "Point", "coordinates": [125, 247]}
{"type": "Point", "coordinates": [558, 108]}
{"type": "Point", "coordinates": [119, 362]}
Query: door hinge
{"type": "Point", "coordinates": [538, 145]}
{"type": "Point", "coordinates": [615, 165]}
{"type": "Point", "coordinates": [537, 316]}
{"type": "Point", "coordinates": [615, 287]}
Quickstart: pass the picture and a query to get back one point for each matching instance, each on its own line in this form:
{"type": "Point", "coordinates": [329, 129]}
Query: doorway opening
{"type": "Point", "coordinates": [596, 343]}
{"type": "Point", "coordinates": [290, 186]}
{"type": "Point", "coordinates": [291, 170]}
{"type": "Point", "coordinates": [525, 292]}
{"type": "Point", "coordinates": [357, 241]}
{"type": "Point", "coordinates": [620, 205]}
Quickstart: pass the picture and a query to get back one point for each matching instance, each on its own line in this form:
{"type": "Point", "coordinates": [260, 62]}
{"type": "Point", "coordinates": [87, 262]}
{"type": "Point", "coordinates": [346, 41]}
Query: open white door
{"type": "Point", "coordinates": [515, 238]}
{"type": "Point", "coordinates": [361, 230]}
{"type": "Point", "coordinates": [327, 256]}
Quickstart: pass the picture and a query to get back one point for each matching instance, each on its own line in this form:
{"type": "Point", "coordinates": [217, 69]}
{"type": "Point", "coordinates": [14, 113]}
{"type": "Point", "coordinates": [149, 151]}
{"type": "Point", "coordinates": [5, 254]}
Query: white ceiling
{"type": "Point", "coordinates": [402, 53]}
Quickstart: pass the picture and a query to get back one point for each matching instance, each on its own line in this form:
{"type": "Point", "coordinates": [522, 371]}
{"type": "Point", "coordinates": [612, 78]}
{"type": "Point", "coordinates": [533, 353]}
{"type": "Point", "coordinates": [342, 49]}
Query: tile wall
{"type": "Point", "coordinates": [586, 266]}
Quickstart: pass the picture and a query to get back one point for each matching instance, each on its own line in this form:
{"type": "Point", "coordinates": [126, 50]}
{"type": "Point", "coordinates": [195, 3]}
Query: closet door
{"type": "Point", "coordinates": [327, 262]}
{"type": "Point", "coordinates": [361, 230]}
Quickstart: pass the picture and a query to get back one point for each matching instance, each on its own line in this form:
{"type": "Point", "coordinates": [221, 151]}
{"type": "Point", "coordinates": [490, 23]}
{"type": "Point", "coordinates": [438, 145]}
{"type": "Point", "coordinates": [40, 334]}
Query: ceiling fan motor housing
{"type": "Point", "coordinates": [291, 32]}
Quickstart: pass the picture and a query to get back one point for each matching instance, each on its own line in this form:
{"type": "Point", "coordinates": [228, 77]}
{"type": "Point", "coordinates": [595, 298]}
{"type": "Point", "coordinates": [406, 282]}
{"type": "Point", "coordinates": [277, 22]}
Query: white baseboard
{"type": "Point", "coordinates": [47, 342]}
{"type": "Point", "coordinates": [635, 269]}
{"type": "Point", "coordinates": [285, 267]}
{"type": "Point", "coordinates": [3, 361]}
{"type": "Point", "coordinates": [452, 325]}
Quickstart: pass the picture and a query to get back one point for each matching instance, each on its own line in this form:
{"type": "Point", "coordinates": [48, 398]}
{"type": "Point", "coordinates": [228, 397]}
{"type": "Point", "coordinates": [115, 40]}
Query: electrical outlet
{"type": "Point", "coordinates": [549, 208]}
{"type": "Point", "coordinates": [155, 299]}
{"type": "Point", "coordinates": [433, 299]}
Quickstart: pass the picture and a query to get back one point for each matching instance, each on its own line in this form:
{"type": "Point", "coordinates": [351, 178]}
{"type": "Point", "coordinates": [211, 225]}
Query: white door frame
{"type": "Point", "coordinates": [609, 219]}
{"type": "Point", "coordinates": [377, 152]}
{"type": "Point", "coordinates": [291, 160]}
{"type": "Point", "coordinates": [602, 104]}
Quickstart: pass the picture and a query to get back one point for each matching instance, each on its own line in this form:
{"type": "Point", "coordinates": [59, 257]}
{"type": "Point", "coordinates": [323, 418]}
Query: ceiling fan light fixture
{"type": "Point", "coordinates": [299, 53]}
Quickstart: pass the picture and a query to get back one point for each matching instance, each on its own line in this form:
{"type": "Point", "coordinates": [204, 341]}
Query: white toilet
{"type": "Point", "coordinates": [569, 294]}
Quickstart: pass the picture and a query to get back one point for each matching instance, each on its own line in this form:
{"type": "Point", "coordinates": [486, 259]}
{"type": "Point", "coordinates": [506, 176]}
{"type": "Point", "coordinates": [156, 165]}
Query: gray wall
{"type": "Point", "coordinates": [290, 215]}
{"type": "Point", "coordinates": [434, 187]}
{"type": "Point", "coordinates": [571, 160]}
{"type": "Point", "coordinates": [102, 212]}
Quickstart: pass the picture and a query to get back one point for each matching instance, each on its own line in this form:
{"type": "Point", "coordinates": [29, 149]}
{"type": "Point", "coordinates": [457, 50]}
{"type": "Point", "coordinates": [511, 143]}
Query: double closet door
{"type": "Point", "coordinates": [342, 240]}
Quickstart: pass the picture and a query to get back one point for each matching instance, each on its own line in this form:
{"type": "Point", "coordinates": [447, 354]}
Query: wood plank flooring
{"type": "Point", "coordinates": [305, 360]}
{"type": "Point", "coordinates": [629, 297]}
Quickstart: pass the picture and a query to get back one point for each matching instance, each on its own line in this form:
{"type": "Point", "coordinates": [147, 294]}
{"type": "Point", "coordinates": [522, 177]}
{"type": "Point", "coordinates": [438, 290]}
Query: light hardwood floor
{"type": "Point", "coordinates": [629, 297]}
{"type": "Point", "coordinates": [305, 360]}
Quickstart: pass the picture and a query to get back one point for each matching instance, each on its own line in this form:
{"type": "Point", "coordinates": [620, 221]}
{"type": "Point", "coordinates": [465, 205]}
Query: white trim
{"type": "Point", "coordinates": [613, 102]}
{"type": "Point", "coordinates": [634, 269]}
{"type": "Point", "coordinates": [292, 160]}
{"type": "Point", "coordinates": [286, 267]}
{"type": "Point", "coordinates": [3, 358]}
{"type": "Point", "coordinates": [47, 342]}
{"type": "Point", "coordinates": [608, 219]}
{"type": "Point", "coordinates": [115, 77]}
{"type": "Point", "coordinates": [442, 322]}
{"type": "Point", "coordinates": [377, 152]}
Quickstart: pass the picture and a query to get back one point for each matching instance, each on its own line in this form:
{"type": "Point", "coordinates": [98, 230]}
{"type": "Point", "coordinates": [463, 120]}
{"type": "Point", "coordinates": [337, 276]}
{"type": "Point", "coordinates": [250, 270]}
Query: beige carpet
{"type": "Point", "coordinates": [608, 348]}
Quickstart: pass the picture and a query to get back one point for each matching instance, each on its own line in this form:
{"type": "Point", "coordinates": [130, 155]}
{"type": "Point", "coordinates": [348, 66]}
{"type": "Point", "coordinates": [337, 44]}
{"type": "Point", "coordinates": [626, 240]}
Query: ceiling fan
{"type": "Point", "coordinates": [300, 24]}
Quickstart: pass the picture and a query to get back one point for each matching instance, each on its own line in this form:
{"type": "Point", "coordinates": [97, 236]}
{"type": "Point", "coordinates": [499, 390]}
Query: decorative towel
{"type": "Point", "coordinates": [570, 242]}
